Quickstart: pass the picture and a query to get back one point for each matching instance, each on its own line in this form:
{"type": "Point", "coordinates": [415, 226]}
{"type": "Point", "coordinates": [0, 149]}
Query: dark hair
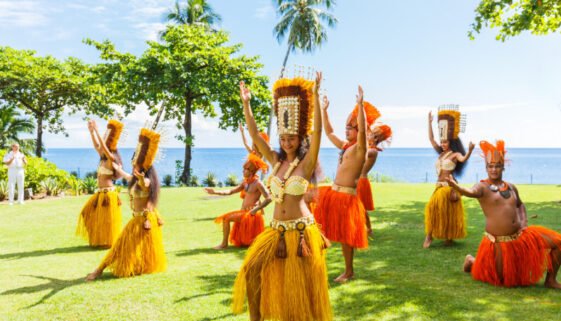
{"type": "Point", "coordinates": [118, 160]}
{"type": "Point", "coordinates": [457, 146]}
{"type": "Point", "coordinates": [154, 193]}
{"type": "Point", "coordinates": [300, 154]}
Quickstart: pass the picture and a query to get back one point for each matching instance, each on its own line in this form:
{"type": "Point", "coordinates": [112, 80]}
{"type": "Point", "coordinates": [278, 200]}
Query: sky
{"type": "Point", "coordinates": [410, 57]}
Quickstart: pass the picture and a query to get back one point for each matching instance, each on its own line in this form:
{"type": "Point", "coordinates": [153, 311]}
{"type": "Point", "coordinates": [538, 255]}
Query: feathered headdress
{"type": "Point", "coordinates": [264, 136]}
{"type": "Point", "coordinates": [148, 143]}
{"type": "Point", "coordinates": [294, 105]}
{"type": "Point", "coordinates": [256, 161]}
{"type": "Point", "coordinates": [372, 114]}
{"type": "Point", "coordinates": [383, 131]}
{"type": "Point", "coordinates": [450, 122]}
{"type": "Point", "coordinates": [112, 134]}
{"type": "Point", "coordinates": [491, 153]}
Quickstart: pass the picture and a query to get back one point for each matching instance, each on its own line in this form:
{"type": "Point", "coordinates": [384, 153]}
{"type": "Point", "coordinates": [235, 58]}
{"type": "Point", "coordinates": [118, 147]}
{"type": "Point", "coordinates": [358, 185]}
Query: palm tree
{"type": "Point", "coordinates": [11, 125]}
{"type": "Point", "coordinates": [196, 12]}
{"type": "Point", "coordinates": [302, 21]}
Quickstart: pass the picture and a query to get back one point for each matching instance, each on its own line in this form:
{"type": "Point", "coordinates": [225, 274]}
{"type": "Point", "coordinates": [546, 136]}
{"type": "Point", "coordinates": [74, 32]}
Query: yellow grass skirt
{"type": "Point", "coordinates": [293, 288]}
{"type": "Point", "coordinates": [99, 221]}
{"type": "Point", "coordinates": [445, 219]}
{"type": "Point", "coordinates": [137, 251]}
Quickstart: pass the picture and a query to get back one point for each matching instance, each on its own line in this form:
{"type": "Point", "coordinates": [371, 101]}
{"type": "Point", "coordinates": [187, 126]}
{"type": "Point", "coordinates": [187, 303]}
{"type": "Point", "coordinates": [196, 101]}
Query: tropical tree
{"type": "Point", "coordinates": [512, 17]}
{"type": "Point", "coordinates": [302, 23]}
{"type": "Point", "coordinates": [190, 71]}
{"type": "Point", "coordinates": [195, 12]}
{"type": "Point", "coordinates": [12, 125]}
{"type": "Point", "coordinates": [46, 88]}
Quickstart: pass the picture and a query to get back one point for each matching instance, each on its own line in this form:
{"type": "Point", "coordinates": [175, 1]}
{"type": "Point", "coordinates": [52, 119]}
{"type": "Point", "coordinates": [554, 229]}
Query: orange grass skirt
{"type": "Point", "coordinates": [246, 230]}
{"type": "Point", "coordinates": [524, 260]}
{"type": "Point", "coordinates": [445, 219]}
{"type": "Point", "coordinates": [292, 289]}
{"type": "Point", "coordinates": [99, 221]}
{"type": "Point", "coordinates": [341, 217]}
{"type": "Point", "coordinates": [364, 192]}
{"type": "Point", "coordinates": [137, 251]}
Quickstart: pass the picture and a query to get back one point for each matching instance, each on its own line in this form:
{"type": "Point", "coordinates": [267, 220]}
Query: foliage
{"type": "Point", "coordinates": [75, 184]}
{"type": "Point", "coordinates": [36, 171]}
{"type": "Point", "coordinates": [232, 180]}
{"type": "Point", "coordinates": [179, 172]}
{"type": "Point", "coordinates": [193, 70]}
{"type": "Point", "coordinates": [3, 189]}
{"type": "Point", "coordinates": [196, 12]}
{"type": "Point", "coordinates": [52, 186]}
{"type": "Point", "coordinates": [90, 185]}
{"type": "Point", "coordinates": [512, 17]}
{"type": "Point", "coordinates": [194, 181]}
{"type": "Point", "coordinates": [91, 174]}
{"type": "Point", "coordinates": [380, 178]}
{"type": "Point", "coordinates": [11, 126]}
{"type": "Point", "coordinates": [210, 180]}
{"type": "Point", "coordinates": [45, 88]}
{"type": "Point", "coordinates": [168, 180]}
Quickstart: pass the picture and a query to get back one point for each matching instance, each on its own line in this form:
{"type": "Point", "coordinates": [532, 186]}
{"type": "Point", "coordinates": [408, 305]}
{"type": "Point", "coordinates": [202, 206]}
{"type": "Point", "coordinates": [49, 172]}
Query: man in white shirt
{"type": "Point", "coordinates": [15, 160]}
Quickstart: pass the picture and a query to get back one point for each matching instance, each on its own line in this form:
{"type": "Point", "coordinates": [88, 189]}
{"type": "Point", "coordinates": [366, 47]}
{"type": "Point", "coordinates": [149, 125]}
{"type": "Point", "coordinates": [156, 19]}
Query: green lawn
{"type": "Point", "coordinates": [42, 265]}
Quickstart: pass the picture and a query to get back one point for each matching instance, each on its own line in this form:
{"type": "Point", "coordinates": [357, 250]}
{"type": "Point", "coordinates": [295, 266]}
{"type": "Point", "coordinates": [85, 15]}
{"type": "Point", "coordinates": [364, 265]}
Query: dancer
{"type": "Point", "coordinates": [339, 211]}
{"type": "Point", "coordinates": [377, 134]}
{"type": "Point", "coordinates": [444, 213]}
{"type": "Point", "coordinates": [139, 248]}
{"type": "Point", "coordinates": [248, 221]}
{"type": "Point", "coordinates": [253, 149]}
{"type": "Point", "coordinates": [284, 274]}
{"type": "Point", "coordinates": [511, 253]}
{"type": "Point", "coordinates": [99, 221]}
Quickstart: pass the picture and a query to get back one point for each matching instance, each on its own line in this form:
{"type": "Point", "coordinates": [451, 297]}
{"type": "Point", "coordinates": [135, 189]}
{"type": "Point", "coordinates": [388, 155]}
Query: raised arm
{"type": "Point", "coordinates": [361, 122]}
{"type": "Point", "coordinates": [244, 140]}
{"type": "Point", "coordinates": [311, 159]}
{"type": "Point", "coordinates": [463, 158]}
{"type": "Point", "coordinates": [103, 147]}
{"type": "Point", "coordinates": [119, 169]}
{"type": "Point", "coordinates": [475, 192]}
{"type": "Point", "coordinates": [234, 190]}
{"type": "Point", "coordinates": [339, 143]}
{"type": "Point", "coordinates": [143, 182]}
{"type": "Point", "coordinates": [263, 147]}
{"type": "Point", "coordinates": [431, 136]}
{"type": "Point", "coordinates": [93, 137]}
{"type": "Point", "coordinates": [265, 202]}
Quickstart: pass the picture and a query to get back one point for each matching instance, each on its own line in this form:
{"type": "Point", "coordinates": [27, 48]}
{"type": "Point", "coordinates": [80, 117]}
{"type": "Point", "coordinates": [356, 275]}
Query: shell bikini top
{"type": "Point", "coordinates": [291, 185]}
{"type": "Point", "coordinates": [442, 163]}
{"type": "Point", "coordinates": [102, 170]}
{"type": "Point", "coordinates": [138, 192]}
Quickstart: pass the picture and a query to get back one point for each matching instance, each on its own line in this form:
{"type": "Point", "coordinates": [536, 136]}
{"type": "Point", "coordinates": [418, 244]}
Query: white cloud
{"type": "Point", "coordinates": [22, 13]}
{"type": "Point", "coordinates": [150, 31]}
{"type": "Point", "coordinates": [265, 11]}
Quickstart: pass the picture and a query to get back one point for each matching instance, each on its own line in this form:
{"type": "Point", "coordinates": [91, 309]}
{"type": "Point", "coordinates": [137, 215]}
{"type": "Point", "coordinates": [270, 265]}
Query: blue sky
{"type": "Point", "coordinates": [410, 56]}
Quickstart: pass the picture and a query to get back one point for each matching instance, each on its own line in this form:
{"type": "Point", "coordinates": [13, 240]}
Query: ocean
{"type": "Point", "coordinates": [412, 165]}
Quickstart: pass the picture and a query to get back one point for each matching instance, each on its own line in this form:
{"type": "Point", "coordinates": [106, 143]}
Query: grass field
{"type": "Point", "coordinates": [42, 265]}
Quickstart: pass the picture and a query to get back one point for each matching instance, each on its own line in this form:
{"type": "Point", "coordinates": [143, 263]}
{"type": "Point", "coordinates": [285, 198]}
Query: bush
{"type": "Point", "coordinates": [76, 186]}
{"type": "Point", "coordinates": [3, 190]}
{"type": "Point", "coordinates": [210, 180]}
{"type": "Point", "coordinates": [90, 185]}
{"type": "Point", "coordinates": [74, 173]}
{"type": "Point", "coordinates": [232, 180]}
{"type": "Point", "coordinates": [380, 178]}
{"type": "Point", "coordinates": [167, 180]}
{"type": "Point", "coordinates": [194, 181]}
{"type": "Point", "coordinates": [91, 174]}
{"type": "Point", "coordinates": [52, 187]}
{"type": "Point", "coordinates": [36, 171]}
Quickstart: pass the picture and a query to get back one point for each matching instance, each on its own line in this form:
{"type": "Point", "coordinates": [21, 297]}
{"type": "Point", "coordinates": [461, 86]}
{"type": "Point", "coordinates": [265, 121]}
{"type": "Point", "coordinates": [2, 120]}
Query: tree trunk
{"type": "Point", "coordinates": [281, 75]}
{"type": "Point", "coordinates": [186, 176]}
{"type": "Point", "coordinates": [38, 148]}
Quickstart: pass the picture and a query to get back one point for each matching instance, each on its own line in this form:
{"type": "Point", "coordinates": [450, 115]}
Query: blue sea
{"type": "Point", "coordinates": [413, 165]}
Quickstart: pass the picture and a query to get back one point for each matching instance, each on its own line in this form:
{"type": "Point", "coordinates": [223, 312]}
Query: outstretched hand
{"type": "Point", "coordinates": [245, 93]}
{"type": "Point", "coordinates": [319, 77]}
{"type": "Point", "coordinates": [209, 190]}
{"type": "Point", "coordinates": [471, 146]}
{"type": "Point", "coordinates": [360, 96]}
{"type": "Point", "coordinates": [325, 103]}
{"type": "Point", "coordinates": [430, 117]}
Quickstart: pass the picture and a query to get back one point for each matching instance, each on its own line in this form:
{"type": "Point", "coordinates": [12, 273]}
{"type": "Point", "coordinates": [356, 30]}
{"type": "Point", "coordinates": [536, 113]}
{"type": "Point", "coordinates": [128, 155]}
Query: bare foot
{"type": "Point", "coordinates": [344, 278]}
{"type": "Point", "coordinates": [551, 283]}
{"type": "Point", "coordinates": [221, 247]}
{"type": "Point", "coordinates": [448, 242]}
{"type": "Point", "coordinates": [428, 241]}
{"type": "Point", "coordinates": [468, 263]}
{"type": "Point", "coordinates": [94, 275]}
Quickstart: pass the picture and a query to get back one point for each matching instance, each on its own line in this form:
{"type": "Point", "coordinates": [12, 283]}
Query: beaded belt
{"type": "Point", "coordinates": [506, 238]}
{"type": "Point", "coordinates": [297, 224]}
{"type": "Point", "coordinates": [141, 213]}
{"type": "Point", "coordinates": [105, 189]}
{"type": "Point", "coordinates": [343, 189]}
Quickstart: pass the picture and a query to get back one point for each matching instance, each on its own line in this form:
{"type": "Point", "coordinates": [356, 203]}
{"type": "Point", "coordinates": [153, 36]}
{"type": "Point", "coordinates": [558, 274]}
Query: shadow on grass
{"type": "Point", "coordinates": [238, 251]}
{"type": "Point", "coordinates": [53, 284]}
{"type": "Point", "coordinates": [212, 285]}
{"type": "Point", "coordinates": [64, 250]}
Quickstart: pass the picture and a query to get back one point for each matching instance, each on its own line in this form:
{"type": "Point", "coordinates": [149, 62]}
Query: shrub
{"type": "Point", "coordinates": [52, 187]}
{"type": "Point", "coordinates": [210, 180]}
{"type": "Point", "coordinates": [232, 180]}
{"type": "Point", "coordinates": [167, 180]}
{"type": "Point", "coordinates": [90, 185]}
{"type": "Point", "coordinates": [36, 171]}
{"type": "Point", "coordinates": [194, 181]}
{"type": "Point", "coordinates": [75, 185]}
{"type": "Point", "coordinates": [91, 174]}
{"type": "Point", "coordinates": [3, 190]}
